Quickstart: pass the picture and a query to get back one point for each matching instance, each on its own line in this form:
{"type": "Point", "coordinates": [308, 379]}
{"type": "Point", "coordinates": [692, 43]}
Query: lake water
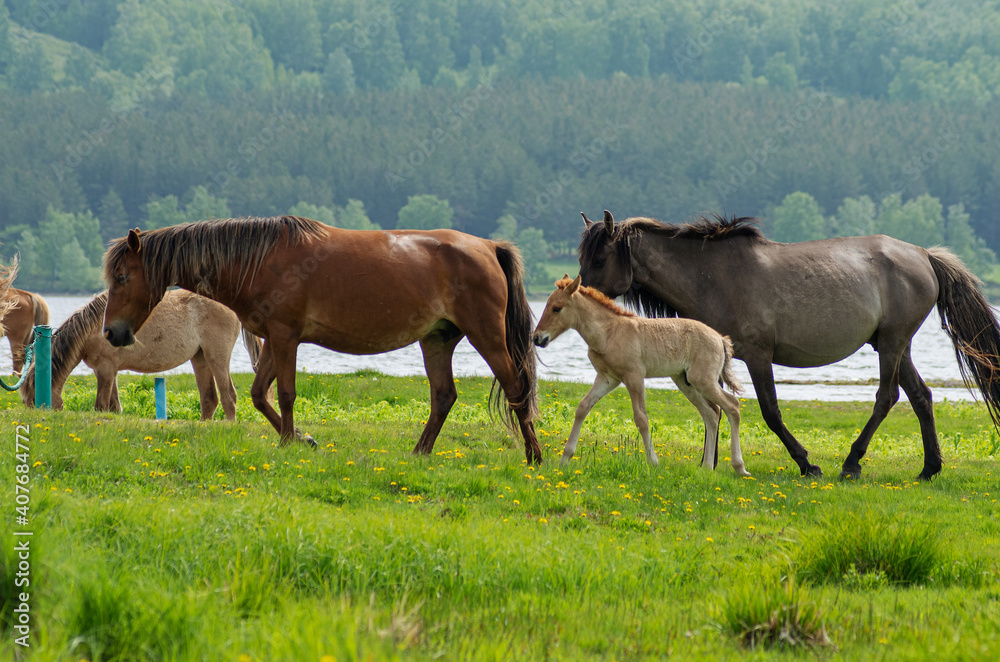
{"type": "Point", "coordinates": [566, 359]}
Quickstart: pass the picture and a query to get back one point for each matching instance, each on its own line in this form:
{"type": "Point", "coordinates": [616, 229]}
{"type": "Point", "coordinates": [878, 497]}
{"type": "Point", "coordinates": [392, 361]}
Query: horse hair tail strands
{"type": "Point", "coordinates": [41, 310]}
{"type": "Point", "coordinates": [254, 345]}
{"type": "Point", "coordinates": [968, 320]}
{"type": "Point", "coordinates": [7, 276]}
{"type": "Point", "coordinates": [518, 327]}
{"type": "Point", "coordinates": [728, 376]}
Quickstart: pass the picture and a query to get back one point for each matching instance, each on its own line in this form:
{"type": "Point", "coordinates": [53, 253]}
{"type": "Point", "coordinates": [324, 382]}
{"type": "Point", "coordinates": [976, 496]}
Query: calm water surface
{"type": "Point", "coordinates": [566, 359]}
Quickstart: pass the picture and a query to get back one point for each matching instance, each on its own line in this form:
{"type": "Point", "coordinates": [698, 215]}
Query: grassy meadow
{"type": "Point", "coordinates": [182, 540]}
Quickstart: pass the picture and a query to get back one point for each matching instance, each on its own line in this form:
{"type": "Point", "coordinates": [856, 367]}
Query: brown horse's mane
{"type": "Point", "coordinates": [597, 296]}
{"type": "Point", "coordinates": [195, 252]}
{"type": "Point", "coordinates": [705, 228]}
{"type": "Point", "coordinates": [69, 338]}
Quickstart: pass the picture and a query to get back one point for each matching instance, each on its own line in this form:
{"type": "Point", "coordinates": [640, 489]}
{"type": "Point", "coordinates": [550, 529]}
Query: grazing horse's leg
{"type": "Point", "coordinates": [889, 355]}
{"type": "Point", "coordinates": [603, 385]}
{"type": "Point", "coordinates": [438, 349]}
{"type": "Point", "coordinates": [283, 360]}
{"type": "Point", "coordinates": [206, 385]}
{"type": "Point", "coordinates": [710, 415]}
{"type": "Point", "coordinates": [637, 393]}
{"type": "Point", "coordinates": [218, 366]}
{"type": "Point", "coordinates": [116, 403]}
{"type": "Point", "coordinates": [105, 383]}
{"type": "Point", "coordinates": [762, 376]}
{"type": "Point", "coordinates": [920, 399]}
{"type": "Point", "coordinates": [261, 384]}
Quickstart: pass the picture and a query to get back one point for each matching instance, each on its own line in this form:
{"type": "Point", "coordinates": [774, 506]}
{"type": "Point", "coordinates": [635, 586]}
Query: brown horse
{"type": "Point", "coordinates": [184, 327]}
{"type": "Point", "coordinates": [19, 323]}
{"type": "Point", "coordinates": [802, 305]}
{"type": "Point", "coordinates": [293, 280]}
{"type": "Point", "coordinates": [630, 349]}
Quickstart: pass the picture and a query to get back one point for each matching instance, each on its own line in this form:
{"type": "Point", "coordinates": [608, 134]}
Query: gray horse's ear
{"type": "Point", "coordinates": [586, 221]}
{"type": "Point", "coordinates": [575, 285]}
{"type": "Point", "coordinates": [609, 222]}
{"type": "Point", "coordinates": [133, 240]}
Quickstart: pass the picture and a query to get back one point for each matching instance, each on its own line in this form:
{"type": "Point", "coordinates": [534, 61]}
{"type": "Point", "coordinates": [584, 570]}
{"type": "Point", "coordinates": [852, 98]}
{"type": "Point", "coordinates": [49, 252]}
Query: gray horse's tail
{"type": "Point", "coordinates": [968, 319]}
{"type": "Point", "coordinates": [728, 376]}
{"type": "Point", "coordinates": [254, 346]}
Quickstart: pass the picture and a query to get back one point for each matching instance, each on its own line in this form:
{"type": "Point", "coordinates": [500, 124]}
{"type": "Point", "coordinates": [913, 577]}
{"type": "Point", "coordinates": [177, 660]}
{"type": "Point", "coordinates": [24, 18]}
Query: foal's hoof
{"type": "Point", "coordinates": [850, 473]}
{"type": "Point", "coordinates": [812, 470]}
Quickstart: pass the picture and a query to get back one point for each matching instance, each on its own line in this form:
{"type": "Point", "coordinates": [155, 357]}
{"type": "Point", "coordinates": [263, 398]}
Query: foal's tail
{"type": "Point", "coordinates": [254, 345]}
{"type": "Point", "coordinates": [728, 376]}
{"type": "Point", "coordinates": [968, 320]}
{"type": "Point", "coordinates": [518, 323]}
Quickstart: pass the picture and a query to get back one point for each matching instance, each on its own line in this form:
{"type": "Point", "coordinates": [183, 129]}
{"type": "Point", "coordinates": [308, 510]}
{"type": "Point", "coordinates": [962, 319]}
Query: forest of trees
{"type": "Point", "coordinates": [503, 118]}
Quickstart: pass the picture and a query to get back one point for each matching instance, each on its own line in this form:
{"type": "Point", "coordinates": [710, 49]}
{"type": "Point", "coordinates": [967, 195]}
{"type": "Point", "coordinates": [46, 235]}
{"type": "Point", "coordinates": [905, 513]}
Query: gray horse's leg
{"type": "Point", "coordinates": [886, 396]}
{"type": "Point", "coordinates": [920, 399]}
{"type": "Point", "coordinates": [763, 384]}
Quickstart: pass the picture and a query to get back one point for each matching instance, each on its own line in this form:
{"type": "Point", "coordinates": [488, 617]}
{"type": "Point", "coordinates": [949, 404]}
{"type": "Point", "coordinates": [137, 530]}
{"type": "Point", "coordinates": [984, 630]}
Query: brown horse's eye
{"type": "Point", "coordinates": [556, 309]}
{"type": "Point", "coordinates": [121, 278]}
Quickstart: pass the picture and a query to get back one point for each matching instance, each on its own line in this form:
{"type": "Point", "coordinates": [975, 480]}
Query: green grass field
{"type": "Point", "coordinates": [182, 540]}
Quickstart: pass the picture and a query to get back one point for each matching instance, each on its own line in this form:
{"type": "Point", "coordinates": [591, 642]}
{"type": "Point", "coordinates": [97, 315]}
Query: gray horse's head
{"type": "Point", "coordinates": [605, 257]}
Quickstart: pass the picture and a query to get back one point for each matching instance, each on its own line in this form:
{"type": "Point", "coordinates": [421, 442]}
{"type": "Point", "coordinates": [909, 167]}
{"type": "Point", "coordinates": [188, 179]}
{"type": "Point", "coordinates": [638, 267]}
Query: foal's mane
{"type": "Point", "coordinates": [597, 296]}
{"type": "Point", "coordinates": [69, 339]}
{"type": "Point", "coordinates": [195, 252]}
{"type": "Point", "coordinates": [713, 228]}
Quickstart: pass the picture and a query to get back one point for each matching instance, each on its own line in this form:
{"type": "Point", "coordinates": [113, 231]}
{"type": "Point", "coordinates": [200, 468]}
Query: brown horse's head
{"type": "Point", "coordinates": [559, 314]}
{"type": "Point", "coordinates": [130, 299]}
{"type": "Point", "coordinates": [605, 257]}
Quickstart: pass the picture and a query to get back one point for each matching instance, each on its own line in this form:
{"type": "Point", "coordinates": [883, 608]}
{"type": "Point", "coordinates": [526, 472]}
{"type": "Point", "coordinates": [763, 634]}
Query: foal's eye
{"type": "Point", "coordinates": [556, 309]}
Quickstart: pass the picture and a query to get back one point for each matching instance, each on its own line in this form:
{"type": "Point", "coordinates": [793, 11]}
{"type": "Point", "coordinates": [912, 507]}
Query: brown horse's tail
{"type": "Point", "coordinates": [968, 319]}
{"type": "Point", "coordinates": [41, 309]}
{"type": "Point", "coordinates": [254, 345]}
{"type": "Point", "coordinates": [728, 376]}
{"type": "Point", "coordinates": [518, 321]}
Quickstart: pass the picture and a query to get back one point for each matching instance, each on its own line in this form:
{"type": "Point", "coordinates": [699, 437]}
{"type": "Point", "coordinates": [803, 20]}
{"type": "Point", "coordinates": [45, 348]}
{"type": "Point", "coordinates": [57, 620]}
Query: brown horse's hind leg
{"type": "Point", "coordinates": [261, 384]}
{"type": "Point", "coordinates": [206, 386]}
{"type": "Point", "coordinates": [920, 399]}
{"type": "Point", "coordinates": [762, 376]}
{"type": "Point", "coordinates": [438, 349]}
{"type": "Point", "coordinates": [502, 365]}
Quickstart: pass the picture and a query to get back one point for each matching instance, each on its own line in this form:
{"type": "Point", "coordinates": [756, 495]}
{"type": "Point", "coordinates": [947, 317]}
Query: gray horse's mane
{"type": "Point", "coordinates": [195, 252]}
{"type": "Point", "coordinates": [705, 228]}
{"type": "Point", "coordinates": [68, 341]}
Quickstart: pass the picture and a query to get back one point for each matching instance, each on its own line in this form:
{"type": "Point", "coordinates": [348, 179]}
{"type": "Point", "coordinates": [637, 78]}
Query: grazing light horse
{"type": "Point", "coordinates": [29, 309]}
{"type": "Point", "coordinates": [183, 327]}
{"type": "Point", "coordinates": [293, 280]}
{"type": "Point", "coordinates": [627, 348]}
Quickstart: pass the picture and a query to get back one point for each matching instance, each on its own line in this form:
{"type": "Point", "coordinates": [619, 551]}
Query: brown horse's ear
{"type": "Point", "coordinates": [586, 221]}
{"type": "Point", "coordinates": [575, 285]}
{"type": "Point", "coordinates": [133, 240]}
{"type": "Point", "coordinates": [609, 222]}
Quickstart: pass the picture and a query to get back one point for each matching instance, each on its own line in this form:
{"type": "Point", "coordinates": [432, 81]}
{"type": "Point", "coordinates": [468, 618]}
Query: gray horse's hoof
{"type": "Point", "coordinates": [850, 473]}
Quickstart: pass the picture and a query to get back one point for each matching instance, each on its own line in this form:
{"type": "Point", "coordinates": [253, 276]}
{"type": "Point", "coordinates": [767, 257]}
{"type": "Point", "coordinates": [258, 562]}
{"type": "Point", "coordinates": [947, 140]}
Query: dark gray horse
{"type": "Point", "coordinates": [803, 305]}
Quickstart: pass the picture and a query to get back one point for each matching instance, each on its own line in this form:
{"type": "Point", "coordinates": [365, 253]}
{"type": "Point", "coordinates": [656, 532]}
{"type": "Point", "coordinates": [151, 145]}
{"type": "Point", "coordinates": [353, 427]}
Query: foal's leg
{"type": "Point", "coordinates": [636, 386]}
{"type": "Point", "coordinates": [710, 415]}
{"type": "Point", "coordinates": [438, 349]}
{"type": "Point", "coordinates": [730, 404]}
{"type": "Point", "coordinates": [206, 386]}
{"type": "Point", "coordinates": [603, 385]}
{"type": "Point", "coordinates": [920, 399]}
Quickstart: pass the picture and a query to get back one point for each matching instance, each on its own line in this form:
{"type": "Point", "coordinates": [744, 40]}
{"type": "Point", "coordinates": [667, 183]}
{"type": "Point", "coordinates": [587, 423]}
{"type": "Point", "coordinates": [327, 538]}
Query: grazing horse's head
{"type": "Point", "coordinates": [605, 257]}
{"type": "Point", "coordinates": [130, 299]}
{"type": "Point", "coordinates": [559, 313]}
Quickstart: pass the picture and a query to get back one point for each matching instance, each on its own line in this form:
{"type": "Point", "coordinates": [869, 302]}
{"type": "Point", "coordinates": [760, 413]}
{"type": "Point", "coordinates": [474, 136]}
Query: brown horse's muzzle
{"type": "Point", "coordinates": [119, 334]}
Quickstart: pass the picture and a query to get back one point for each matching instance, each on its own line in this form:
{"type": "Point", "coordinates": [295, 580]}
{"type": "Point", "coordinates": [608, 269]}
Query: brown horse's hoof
{"type": "Point", "coordinates": [851, 473]}
{"type": "Point", "coordinates": [928, 474]}
{"type": "Point", "coordinates": [812, 470]}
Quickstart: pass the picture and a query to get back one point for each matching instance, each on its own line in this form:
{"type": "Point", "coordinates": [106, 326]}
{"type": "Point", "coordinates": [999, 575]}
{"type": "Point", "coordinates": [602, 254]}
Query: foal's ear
{"type": "Point", "coordinates": [609, 222]}
{"type": "Point", "coordinates": [574, 286]}
{"type": "Point", "coordinates": [586, 221]}
{"type": "Point", "coordinates": [133, 240]}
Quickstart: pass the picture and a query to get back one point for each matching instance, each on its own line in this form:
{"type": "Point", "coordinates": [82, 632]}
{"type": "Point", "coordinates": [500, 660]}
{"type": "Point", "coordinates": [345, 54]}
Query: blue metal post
{"type": "Point", "coordinates": [43, 367]}
{"type": "Point", "coordinates": [160, 390]}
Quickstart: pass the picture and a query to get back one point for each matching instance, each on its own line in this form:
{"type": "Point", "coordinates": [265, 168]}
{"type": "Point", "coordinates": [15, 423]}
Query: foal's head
{"type": "Point", "coordinates": [560, 312]}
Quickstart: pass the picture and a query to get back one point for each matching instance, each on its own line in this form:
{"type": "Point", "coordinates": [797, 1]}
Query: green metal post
{"type": "Point", "coordinates": [43, 367]}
